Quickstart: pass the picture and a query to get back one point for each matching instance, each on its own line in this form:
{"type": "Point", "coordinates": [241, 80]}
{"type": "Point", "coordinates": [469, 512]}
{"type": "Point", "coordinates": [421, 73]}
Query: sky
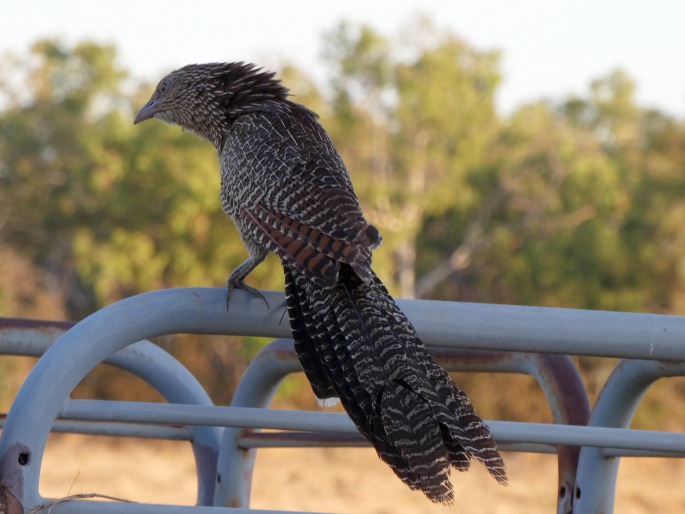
{"type": "Point", "coordinates": [550, 48]}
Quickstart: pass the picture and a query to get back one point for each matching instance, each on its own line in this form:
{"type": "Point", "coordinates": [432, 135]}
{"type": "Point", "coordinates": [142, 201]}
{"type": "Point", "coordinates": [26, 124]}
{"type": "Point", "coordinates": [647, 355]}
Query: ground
{"type": "Point", "coordinates": [336, 480]}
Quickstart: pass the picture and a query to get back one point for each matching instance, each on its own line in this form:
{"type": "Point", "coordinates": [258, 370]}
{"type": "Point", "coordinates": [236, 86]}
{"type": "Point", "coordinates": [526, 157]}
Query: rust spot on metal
{"type": "Point", "coordinates": [34, 324]}
{"type": "Point", "coordinates": [467, 356]}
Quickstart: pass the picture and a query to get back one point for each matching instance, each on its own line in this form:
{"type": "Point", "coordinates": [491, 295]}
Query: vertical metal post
{"type": "Point", "coordinates": [256, 389]}
{"type": "Point", "coordinates": [597, 472]}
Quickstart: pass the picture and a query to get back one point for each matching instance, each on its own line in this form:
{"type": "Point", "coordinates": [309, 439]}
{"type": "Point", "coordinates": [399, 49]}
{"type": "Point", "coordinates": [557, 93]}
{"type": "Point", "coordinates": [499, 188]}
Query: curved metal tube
{"type": "Point", "coordinates": [143, 359]}
{"type": "Point", "coordinates": [597, 471]}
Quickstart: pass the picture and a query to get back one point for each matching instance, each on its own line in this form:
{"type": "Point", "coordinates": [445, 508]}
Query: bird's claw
{"type": "Point", "coordinates": [231, 285]}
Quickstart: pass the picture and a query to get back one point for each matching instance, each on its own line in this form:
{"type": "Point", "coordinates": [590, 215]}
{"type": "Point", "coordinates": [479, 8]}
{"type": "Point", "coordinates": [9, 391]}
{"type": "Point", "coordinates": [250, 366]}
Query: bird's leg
{"type": "Point", "coordinates": [237, 277]}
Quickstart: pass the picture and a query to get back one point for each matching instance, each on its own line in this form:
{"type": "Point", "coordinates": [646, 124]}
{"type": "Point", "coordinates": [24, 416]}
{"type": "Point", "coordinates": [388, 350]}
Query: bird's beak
{"type": "Point", "coordinates": [147, 112]}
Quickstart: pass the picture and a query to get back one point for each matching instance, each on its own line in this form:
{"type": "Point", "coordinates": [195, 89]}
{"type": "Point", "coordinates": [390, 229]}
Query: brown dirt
{"type": "Point", "coordinates": [336, 480]}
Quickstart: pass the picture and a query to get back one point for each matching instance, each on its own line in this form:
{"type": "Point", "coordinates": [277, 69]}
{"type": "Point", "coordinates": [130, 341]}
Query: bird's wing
{"type": "Point", "coordinates": [298, 201]}
{"type": "Point", "coordinates": [314, 251]}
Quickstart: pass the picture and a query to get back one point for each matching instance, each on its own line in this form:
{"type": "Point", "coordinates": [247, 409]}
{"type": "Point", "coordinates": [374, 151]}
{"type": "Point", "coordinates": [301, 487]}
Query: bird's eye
{"type": "Point", "coordinates": [163, 87]}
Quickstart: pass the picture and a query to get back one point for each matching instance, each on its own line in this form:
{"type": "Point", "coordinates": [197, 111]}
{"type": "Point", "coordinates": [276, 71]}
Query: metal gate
{"type": "Point", "coordinates": [468, 337]}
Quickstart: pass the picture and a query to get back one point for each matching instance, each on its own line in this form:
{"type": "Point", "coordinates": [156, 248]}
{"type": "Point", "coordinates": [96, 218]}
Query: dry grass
{"type": "Point", "coordinates": [336, 480]}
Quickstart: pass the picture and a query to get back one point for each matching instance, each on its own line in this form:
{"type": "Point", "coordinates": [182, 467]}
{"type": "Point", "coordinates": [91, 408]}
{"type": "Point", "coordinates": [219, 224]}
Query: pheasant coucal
{"type": "Point", "coordinates": [288, 192]}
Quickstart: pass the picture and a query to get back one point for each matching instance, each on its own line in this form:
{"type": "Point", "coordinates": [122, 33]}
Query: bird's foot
{"type": "Point", "coordinates": [231, 285]}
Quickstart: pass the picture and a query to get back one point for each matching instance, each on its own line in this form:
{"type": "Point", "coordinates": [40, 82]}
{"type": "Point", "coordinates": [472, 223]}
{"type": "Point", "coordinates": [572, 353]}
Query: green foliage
{"type": "Point", "coordinates": [123, 209]}
{"type": "Point", "coordinates": [410, 128]}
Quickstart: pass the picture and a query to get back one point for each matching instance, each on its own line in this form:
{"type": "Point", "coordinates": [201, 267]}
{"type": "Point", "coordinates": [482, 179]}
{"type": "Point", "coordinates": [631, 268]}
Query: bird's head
{"type": "Point", "coordinates": [206, 98]}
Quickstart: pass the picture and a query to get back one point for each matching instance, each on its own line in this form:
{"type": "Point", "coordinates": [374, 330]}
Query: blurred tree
{"type": "Point", "coordinates": [109, 209]}
{"type": "Point", "coordinates": [647, 149]}
{"type": "Point", "coordinates": [555, 238]}
{"type": "Point", "coordinates": [49, 153]}
{"type": "Point", "coordinates": [411, 128]}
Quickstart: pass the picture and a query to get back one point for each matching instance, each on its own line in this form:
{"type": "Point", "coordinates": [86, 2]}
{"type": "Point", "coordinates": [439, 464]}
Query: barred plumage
{"type": "Point", "coordinates": [288, 192]}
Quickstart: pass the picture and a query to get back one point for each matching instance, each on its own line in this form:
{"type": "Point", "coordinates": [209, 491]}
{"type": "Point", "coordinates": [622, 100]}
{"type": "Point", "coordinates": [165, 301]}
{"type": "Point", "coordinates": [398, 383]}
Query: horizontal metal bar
{"type": "Point", "coordinates": [301, 439]}
{"type": "Point", "coordinates": [280, 439]}
{"type": "Point", "coordinates": [19, 336]}
{"type": "Point", "coordinates": [101, 428]}
{"type": "Point", "coordinates": [624, 452]}
{"type": "Point", "coordinates": [526, 447]}
{"type": "Point", "coordinates": [548, 330]}
{"type": "Point", "coordinates": [516, 328]}
{"type": "Point", "coordinates": [175, 414]}
{"type": "Point", "coordinates": [113, 429]}
{"type": "Point", "coordinates": [111, 507]}
{"type": "Point", "coordinates": [244, 417]}
{"type": "Point", "coordinates": [602, 437]}
{"type": "Point", "coordinates": [439, 323]}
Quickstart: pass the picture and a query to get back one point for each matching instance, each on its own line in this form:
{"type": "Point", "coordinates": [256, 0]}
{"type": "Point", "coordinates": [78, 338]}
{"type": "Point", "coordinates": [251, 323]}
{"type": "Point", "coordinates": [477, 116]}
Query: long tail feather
{"type": "Point", "coordinates": [353, 339]}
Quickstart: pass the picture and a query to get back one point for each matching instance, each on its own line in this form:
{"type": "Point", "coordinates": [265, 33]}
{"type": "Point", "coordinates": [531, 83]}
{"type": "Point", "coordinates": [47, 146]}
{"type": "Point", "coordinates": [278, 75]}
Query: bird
{"type": "Point", "coordinates": [288, 192]}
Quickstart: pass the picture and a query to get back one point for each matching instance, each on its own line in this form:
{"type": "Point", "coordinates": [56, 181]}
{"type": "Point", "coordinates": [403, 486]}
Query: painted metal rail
{"type": "Point", "coordinates": [466, 337]}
